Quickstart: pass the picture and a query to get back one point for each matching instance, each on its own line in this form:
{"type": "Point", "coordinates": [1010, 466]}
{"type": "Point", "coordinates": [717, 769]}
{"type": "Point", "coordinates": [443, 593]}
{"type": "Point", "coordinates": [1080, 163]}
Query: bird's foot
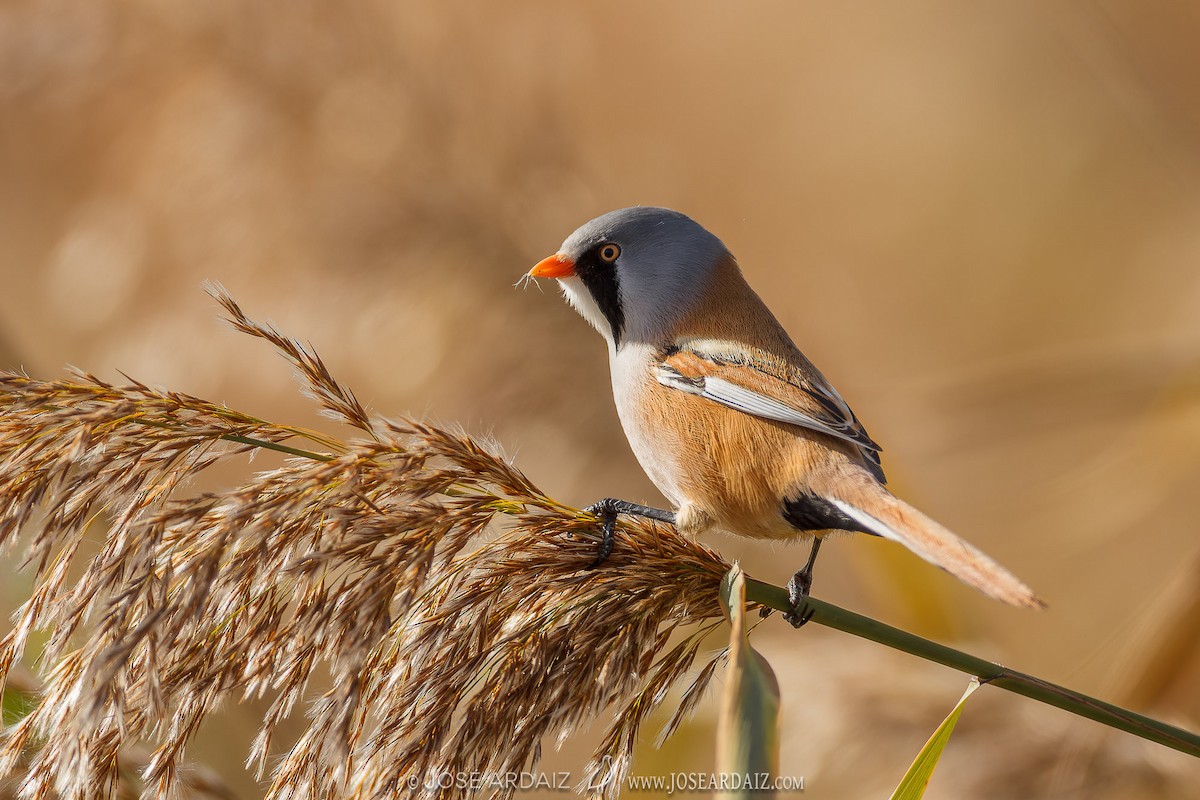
{"type": "Point", "coordinates": [606, 510]}
{"type": "Point", "coordinates": [798, 589]}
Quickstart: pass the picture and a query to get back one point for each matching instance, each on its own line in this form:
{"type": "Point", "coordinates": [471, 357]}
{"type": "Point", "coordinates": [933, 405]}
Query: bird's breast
{"type": "Point", "coordinates": [730, 467]}
{"type": "Point", "coordinates": [656, 449]}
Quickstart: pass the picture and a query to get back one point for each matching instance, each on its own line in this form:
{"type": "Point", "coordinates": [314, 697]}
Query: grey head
{"type": "Point", "coordinates": [633, 273]}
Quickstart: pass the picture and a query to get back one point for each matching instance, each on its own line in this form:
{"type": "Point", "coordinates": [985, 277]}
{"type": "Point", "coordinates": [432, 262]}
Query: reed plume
{"type": "Point", "coordinates": [447, 598]}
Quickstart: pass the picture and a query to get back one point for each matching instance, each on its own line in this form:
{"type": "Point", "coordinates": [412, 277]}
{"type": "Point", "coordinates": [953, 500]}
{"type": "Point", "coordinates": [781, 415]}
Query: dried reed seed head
{"type": "Point", "coordinates": [448, 598]}
{"type": "Point", "coordinates": [336, 400]}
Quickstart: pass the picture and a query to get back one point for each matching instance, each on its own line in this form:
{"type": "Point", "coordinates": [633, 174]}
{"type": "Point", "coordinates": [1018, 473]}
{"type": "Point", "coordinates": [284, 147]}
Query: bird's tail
{"type": "Point", "coordinates": [878, 511]}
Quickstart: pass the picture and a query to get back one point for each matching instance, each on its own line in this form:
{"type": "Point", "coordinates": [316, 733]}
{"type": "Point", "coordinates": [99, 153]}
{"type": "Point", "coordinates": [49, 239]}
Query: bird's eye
{"type": "Point", "coordinates": [609, 252]}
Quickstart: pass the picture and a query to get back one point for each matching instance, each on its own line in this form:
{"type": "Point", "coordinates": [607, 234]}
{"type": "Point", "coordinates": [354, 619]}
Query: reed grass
{"type": "Point", "coordinates": [426, 608]}
{"type": "Point", "coordinates": [447, 598]}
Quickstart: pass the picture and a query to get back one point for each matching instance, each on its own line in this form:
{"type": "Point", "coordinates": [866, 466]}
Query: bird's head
{"type": "Point", "coordinates": [635, 272]}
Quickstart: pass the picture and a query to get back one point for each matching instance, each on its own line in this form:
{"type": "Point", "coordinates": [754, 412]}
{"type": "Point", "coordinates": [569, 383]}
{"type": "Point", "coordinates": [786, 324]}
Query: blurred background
{"type": "Point", "coordinates": [982, 221]}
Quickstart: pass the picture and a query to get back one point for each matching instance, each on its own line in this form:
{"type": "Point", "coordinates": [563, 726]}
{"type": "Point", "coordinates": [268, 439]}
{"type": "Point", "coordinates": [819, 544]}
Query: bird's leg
{"type": "Point", "coordinates": [607, 510]}
{"type": "Point", "coordinates": [798, 588]}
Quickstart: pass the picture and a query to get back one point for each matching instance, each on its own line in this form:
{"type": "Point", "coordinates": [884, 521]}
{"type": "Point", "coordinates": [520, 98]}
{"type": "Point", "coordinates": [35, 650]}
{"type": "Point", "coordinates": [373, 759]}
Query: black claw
{"type": "Point", "coordinates": [606, 510]}
{"type": "Point", "coordinates": [798, 588]}
{"type": "Point", "coordinates": [799, 616]}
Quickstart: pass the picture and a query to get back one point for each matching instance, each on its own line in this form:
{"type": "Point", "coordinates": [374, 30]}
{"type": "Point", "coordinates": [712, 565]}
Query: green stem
{"type": "Point", "coordinates": [988, 672]}
{"type": "Point", "coordinates": [282, 448]}
{"type": "Point", "coordinates": [233, 437]}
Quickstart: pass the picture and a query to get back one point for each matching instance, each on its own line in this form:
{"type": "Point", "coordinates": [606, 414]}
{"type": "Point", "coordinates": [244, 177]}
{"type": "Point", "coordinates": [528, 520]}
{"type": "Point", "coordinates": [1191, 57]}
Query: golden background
{"type": "Point", "coordinates": [982, 221]}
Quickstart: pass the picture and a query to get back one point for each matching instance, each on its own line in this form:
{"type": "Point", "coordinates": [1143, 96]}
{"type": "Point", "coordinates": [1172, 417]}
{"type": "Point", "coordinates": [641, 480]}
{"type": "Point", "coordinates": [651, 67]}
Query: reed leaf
{"type": "Point", "coordinates": [748, 726]}
{"type": "Point", "coordinates": [916, 778]}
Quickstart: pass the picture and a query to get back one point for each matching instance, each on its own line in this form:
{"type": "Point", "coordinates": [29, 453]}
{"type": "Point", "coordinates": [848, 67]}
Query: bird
{"type": "Point", "coordinates": [727, 417]}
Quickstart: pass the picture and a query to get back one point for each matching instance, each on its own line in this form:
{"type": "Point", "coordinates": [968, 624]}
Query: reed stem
{"type": "Point", "coordinates": [988, 672]}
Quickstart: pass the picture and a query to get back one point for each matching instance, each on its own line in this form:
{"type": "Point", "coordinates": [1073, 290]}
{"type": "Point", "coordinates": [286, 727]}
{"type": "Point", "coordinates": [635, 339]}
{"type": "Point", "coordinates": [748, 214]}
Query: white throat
{"type": "Point", "coordinates": [581, 300]}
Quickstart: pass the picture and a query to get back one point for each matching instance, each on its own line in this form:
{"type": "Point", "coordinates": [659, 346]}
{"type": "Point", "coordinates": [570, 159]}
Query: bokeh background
{"type": "Point", "coordinates": [981, 220]}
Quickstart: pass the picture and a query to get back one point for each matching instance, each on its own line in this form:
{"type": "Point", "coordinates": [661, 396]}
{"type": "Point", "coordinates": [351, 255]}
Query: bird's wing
{"type": "Point", "coordinates": [756, 383]}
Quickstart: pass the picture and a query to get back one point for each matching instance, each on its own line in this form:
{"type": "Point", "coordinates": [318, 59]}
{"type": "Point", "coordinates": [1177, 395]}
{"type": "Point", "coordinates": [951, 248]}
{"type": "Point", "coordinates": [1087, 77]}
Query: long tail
{"type": "Point", "coordinates": [880, 512]}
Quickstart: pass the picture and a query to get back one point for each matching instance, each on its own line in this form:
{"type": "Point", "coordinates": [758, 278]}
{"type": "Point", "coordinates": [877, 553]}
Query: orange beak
{"type": "Point", "coordinates": [556, 266]}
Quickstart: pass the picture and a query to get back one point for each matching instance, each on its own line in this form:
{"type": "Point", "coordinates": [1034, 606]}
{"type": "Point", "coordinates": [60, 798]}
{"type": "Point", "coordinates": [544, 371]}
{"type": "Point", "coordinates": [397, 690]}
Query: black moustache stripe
{"type": "Point", "coordinates": [600, 278]}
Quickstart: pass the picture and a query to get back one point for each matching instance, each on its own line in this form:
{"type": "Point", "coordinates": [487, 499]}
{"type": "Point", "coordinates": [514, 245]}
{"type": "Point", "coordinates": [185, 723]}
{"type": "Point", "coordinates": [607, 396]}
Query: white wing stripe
{"type": "Point", "coordinates": [760, 405]}
{"type": "Point", "coordinates": [748, 402]}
